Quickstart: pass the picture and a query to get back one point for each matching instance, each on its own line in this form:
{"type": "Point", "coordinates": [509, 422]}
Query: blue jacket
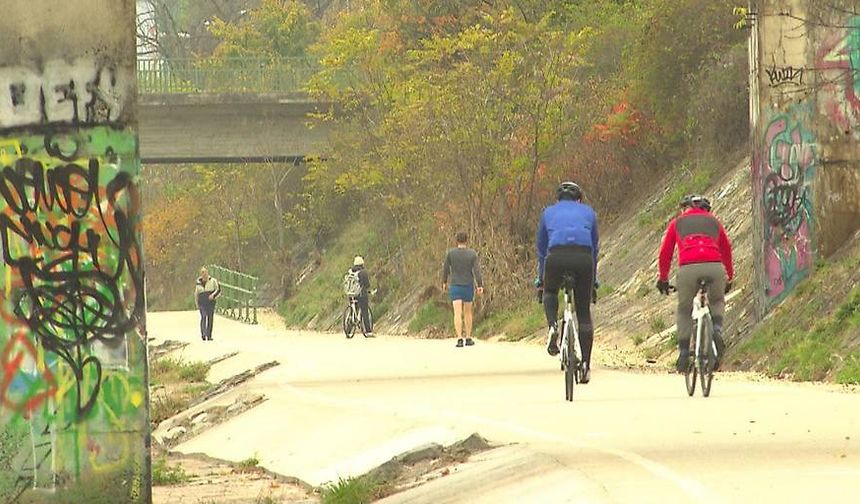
{"type": "Point", "coordinates": [567, 223]}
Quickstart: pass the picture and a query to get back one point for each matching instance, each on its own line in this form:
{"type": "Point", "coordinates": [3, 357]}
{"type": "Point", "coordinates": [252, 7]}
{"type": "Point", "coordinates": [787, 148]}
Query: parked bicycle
{"type": "Point", "coordinates": [703, 354]}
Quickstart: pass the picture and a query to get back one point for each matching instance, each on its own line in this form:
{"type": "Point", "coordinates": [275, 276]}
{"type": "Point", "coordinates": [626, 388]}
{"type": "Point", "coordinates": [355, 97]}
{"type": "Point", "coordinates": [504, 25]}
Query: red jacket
{"type": "Point", "coordinates": [700, 239]}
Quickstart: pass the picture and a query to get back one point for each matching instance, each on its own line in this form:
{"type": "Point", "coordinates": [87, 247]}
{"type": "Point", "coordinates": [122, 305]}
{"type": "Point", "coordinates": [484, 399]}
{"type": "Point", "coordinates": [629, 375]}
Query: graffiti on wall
{"type": "Point", "coordinates": [839, 67]}
{"type": "Point", "coordinates": [784, 76]}
{"type": "Point", "coordinates": [84, 92]}
{"type": "Point", "coordinates": [72, 351]}
{"type": "Point", "coordinates": [784, 175]}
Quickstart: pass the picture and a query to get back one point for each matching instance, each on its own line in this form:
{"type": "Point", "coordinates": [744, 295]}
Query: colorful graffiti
{"type": "Point", "coordinates": [785, 172]}
{"type": "Point", "coordinates": [838, 62]}
{"type": "Point", "coordinates": [72, 346]}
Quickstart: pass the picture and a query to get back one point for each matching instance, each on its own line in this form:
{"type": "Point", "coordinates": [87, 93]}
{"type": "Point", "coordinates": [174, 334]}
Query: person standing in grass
{"type": "Point", "coordinates": [461, 273]}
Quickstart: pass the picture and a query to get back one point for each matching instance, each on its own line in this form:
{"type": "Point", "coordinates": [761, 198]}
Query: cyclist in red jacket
{"type": "Point", "coordinates": [704, 252]}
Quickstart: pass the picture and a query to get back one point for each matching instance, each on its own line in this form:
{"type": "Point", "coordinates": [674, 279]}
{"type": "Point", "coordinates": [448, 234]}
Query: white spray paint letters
{"type": "Point", "coordinates": [83, 92]}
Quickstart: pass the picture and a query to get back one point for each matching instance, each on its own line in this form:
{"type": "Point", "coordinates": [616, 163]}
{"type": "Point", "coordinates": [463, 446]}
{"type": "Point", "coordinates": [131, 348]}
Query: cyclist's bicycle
{"type": "Point", "coordinates": [571, 351]}
{"type": "Point", "coordinates": [352, 318]}
{"type": "Point", "coordinates": [703, 354]}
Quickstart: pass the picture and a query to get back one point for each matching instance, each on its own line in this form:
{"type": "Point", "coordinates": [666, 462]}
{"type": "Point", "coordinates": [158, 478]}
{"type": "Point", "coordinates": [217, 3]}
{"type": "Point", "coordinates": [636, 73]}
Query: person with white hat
{"type": "Point", "coordinates": [363, 297]}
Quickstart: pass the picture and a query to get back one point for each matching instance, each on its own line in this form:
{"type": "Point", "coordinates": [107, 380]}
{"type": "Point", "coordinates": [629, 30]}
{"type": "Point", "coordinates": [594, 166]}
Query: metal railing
{"type": "Point", "coordinates": [231, 75]}
{"type": "Point", "coordinates": [238, 294]}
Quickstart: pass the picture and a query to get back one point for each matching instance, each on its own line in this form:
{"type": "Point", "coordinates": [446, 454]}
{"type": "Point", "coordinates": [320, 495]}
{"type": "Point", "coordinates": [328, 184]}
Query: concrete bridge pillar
{"type": "Point", "coordinates": [73, 394]}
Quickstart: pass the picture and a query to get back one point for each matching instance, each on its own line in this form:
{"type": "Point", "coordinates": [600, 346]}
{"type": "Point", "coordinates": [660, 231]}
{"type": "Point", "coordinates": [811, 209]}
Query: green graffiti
{"type": "Point", "coordinates": [853, 43]}
{"type": "Point", "coordinates": [72, 398]}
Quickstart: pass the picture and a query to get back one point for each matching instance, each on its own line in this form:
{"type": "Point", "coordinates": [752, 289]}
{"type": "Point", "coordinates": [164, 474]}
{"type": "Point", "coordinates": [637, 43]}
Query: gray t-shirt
{"type": "Point", "coordinates": [461, 265]}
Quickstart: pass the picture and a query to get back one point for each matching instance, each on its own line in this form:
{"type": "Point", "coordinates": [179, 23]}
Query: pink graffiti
{"type": "Point", "coordinates": [783, 172]}
{"type": "Point", "coordinates": [838, 59]}
{"type": "Point", "coordinates": [778, 259]}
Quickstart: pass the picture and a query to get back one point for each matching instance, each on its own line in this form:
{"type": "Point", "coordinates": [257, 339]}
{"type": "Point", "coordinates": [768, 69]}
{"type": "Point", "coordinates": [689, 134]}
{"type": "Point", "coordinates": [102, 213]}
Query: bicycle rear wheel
{"type": "Point", "coordinates": [569, 367]}
{"type": "Point", "coordinates": [708, 359]}
{"type": "Point", "coordinates": [690, 378]}
{"type": "Point", "coordinates": [348, 324]}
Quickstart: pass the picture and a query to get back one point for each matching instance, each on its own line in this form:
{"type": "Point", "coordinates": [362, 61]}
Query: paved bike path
{"type": "Point", "coordinates": [337, 407]}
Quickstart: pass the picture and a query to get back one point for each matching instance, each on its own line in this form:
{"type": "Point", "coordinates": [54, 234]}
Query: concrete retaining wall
{"type": "Point", "coordinates": [805, 108]}
{"type": "Point", "coordinates": [73, 391]}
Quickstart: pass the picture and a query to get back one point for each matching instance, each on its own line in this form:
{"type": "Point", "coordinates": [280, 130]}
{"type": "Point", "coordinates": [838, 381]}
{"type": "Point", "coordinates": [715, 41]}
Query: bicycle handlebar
{"type": "Point", "coordinates": [539, 292]}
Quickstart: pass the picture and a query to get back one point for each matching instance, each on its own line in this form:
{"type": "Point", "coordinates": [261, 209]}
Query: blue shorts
{"type": "Point", "coordinates": [461, 293]}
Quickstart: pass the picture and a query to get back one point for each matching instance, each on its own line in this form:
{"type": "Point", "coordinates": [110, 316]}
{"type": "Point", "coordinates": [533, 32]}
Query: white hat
{"type": "Point", "coordinates": [359, 261]}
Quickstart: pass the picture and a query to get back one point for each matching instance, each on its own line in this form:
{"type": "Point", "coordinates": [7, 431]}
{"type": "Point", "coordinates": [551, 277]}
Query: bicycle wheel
{"type": "Point", "coordinates": [559, 341]}
{"type": "Point", "coordinates": [348, 324]}
{"type": "Point", "coordinates": [707, 360]}
{"type": "Point", "coordinates": [575, 352]}
{"type": "Point", "coordinates": [690, 377]}
{"type": "Point", "coordinates": [569, 367]}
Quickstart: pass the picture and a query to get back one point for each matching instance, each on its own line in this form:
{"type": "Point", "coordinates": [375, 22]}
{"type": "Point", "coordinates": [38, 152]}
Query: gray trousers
{"type": "Point", "coordinates": [687, 283]}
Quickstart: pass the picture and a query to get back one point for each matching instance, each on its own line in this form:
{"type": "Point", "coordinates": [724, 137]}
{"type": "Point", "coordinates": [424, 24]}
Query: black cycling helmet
{"type": "Point", "coordinates": [569, 190]}
{"type": "Point", "coordinates": [700, 202]}
{"type": "Point", "coordinates": [686, 201]}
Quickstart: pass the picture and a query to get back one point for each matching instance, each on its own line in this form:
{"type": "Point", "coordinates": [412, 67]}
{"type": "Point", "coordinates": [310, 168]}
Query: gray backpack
{"type": "Point", "coordinates": [351, 285]}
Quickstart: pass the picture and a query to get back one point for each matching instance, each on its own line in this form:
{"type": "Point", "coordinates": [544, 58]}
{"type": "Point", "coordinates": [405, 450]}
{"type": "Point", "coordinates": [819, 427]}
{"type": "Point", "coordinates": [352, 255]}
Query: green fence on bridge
{"type": "Point", "coordinates": [234, 75]}
{"type": "Point", "coordinates": [238, 294]}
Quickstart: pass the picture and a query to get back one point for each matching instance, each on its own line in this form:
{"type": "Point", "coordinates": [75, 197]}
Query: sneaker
{"type": "Point", "coordinates": [551, 343]}
{"type": "Point", "coordinates": [586, 374]}
{"type": "Point", "coordinates": [470, 342]}
{"type": "Point", "coordinates": [683, 361]}
{"type": "Point", "coordinates": [459, 342]}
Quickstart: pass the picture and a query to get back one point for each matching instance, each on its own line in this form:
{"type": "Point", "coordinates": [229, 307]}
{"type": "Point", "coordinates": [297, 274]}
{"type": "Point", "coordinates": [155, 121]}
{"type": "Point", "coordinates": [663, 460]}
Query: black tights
{"type": "Point", "coordinates": [577, 262]}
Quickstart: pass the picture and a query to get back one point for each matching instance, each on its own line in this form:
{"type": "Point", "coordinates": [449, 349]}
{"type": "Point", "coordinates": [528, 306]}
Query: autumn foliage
{"type": "Point", "coordinates": [457, 115]}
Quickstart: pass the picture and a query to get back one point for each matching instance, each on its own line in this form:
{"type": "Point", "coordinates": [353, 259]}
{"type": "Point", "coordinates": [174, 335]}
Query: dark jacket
{"type": "Point", "coordinates": [363, 279]}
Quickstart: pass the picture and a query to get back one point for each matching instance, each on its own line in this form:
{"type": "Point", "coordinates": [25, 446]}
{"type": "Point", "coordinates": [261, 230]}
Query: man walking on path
{"type": "Point", "coordinates": [206, 291]}
{"type": "Point", "coordinates": [462, 268]}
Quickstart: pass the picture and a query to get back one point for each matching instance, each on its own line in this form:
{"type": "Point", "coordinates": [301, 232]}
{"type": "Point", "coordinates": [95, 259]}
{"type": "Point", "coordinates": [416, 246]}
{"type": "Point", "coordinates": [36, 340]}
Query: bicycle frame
{"type": "Point", "coordinates": [703, 360]}
{"type": "Point", "coordinates": [569, 321]}
{"type": "Point", "coordinates": [354, 314]}
{"type": "Point", "coordinates": [700, 311]}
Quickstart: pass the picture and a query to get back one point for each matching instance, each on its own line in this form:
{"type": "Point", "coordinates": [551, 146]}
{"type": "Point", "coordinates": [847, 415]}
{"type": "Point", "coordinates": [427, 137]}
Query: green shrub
{"type": "Point", "coordinates": [249, 463]}
{"type": "Point", "coordinates": [170, 370]}
{"type": "Point", "coordinates": [657, 324]}
{"type": "Point", "coordinates": [164, 474]}
{"type": "Point", "coordinates": [850, 372]}
{"type": "Point", "coordinates": [361, 490]}
{"type": "Point", "coordinates": [432, 314]}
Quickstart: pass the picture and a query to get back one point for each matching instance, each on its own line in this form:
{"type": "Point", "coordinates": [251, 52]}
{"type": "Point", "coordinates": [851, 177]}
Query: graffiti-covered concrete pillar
{"type": "Point", "coordinates": [805, 113]}
{"type": "Point", "coordinates": [73, 390]}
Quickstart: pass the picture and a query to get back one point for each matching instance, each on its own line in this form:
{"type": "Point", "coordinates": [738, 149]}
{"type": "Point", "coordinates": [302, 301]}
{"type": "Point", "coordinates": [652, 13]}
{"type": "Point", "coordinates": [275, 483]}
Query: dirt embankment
{"type": "Point", "coordinates": [633, 317]}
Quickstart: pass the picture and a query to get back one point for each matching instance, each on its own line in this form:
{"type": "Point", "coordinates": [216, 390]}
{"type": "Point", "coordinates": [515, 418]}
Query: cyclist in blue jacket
{"type": "Point", "coordinates": [567, 243]}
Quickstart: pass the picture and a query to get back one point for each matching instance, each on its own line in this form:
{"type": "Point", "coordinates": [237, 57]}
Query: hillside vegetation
{"type": "Point", "coordinates": [454, 115]}
{"type": "Point", "coordinates": [464, 115]}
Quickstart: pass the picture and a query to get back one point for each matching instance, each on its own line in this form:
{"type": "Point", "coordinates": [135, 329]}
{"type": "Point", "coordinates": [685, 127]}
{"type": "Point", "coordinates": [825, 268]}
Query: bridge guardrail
{"type": "Point", "coordinates": [238, 294]}
{"type": "Point", "coordinates": [230, 75]}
